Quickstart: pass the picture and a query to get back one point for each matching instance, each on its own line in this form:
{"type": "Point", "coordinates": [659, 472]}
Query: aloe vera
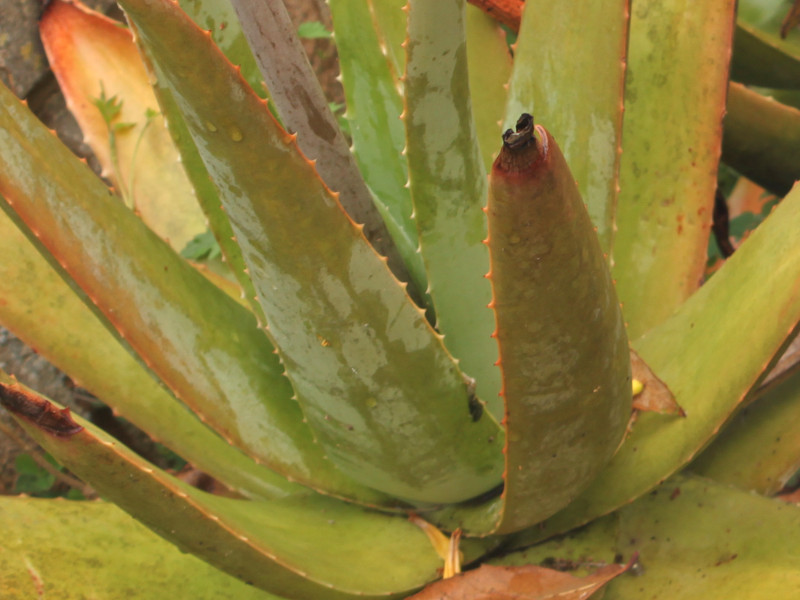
{"type": "Point", "coordinates": [434, 321]}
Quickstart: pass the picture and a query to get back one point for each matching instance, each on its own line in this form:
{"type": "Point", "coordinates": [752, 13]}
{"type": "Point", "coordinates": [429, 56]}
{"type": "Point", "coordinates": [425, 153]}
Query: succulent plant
{"type": "Point", "coordinates": [433, 322]}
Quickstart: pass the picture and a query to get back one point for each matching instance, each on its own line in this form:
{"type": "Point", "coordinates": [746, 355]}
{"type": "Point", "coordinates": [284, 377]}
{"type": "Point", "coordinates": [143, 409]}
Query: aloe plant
{"type": "Point", "coordinates": [440, 314]}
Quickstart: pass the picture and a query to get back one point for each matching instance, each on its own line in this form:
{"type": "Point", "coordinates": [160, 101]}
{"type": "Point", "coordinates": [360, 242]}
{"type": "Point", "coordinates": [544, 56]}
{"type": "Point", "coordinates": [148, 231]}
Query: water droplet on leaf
{"type": "Point", "coordinates": [236, 134]}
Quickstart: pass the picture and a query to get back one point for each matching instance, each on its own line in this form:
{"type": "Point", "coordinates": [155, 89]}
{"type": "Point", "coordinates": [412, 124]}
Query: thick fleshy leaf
{"type": "Point", "coordinates": [40, 308]}
{"type": "Point", "coordinates": [374, 106]}
{"type": "Point", "coordinates": [760, 449]}
{"type": "Point", "coordinates": [92, 57]}
{"type": "Point", "coordinates": [391, 27]}
{"type": "Point", "coordinates": [489, 64]}
{"type": "Point", "coordinates": [219, 18]}
{"type": "Point", "coordinates": [578, 98]}
{"type": "Point", "coordinates": [206, 193]}
{"type": "Point", "coordinates": [75, 550]}
{"type": "Point", "coordinates": [203, 345]}
{"type": "Point", "coordinates": [708, 364]}
{"type": "Point", "coordinates": [695, 539]}
{"type": "Point", "coordinates": [448, 188]}
{"type": "Point", "coordinates": [303, 109]}
{"type": "Point", "coordinates": [302, 547]}
{"type": "Point", "coordinates": [564, 354]}
{"type": "Point", "coordinates": [761, 56]}
{"type": "Point", "coordinates": [385, 399]}
{"type": "Point", "coordinates": [761, 139]}
{"type": "Point", "coordinates": [674, 103]}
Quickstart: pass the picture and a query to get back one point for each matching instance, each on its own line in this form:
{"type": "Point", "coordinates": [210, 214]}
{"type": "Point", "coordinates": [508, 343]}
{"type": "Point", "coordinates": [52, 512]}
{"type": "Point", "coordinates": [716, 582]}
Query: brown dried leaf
{"type": "Point", "coordinates": [528, 582]}
{"type": "Point", "coordinates": [655, 397]}
{"type": "Point", "coordinates": [792, 19]}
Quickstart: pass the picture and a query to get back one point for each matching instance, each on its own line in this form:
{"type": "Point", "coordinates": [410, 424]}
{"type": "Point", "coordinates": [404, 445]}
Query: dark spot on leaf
{"type": "Point", "coordinates": [475, 407]}
{"type": "Point", "coordinates": [38, 411]}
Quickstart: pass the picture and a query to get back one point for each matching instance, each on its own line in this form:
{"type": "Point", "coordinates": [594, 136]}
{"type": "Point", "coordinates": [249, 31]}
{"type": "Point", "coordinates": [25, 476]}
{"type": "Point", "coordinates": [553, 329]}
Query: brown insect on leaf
{"type": "Point", "coordinates": [528, 582]}
{"type": "Point", "coordinates": [655, 396]}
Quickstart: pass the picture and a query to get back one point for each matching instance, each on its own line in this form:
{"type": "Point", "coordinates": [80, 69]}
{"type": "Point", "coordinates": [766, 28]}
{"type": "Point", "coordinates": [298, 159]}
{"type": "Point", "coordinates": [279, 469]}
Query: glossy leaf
{"type": "Point", "coordinates": [374, 105]}
{"type": "Point", "coordinates": [41, 309]}
{"type": "Point", "coordinates": [292, 547]}
{"type": "Point", "coordinates": [375, 381]}
{"type": "Point", "coordinates": [185, 329]}
{"type": "Point", "coordinates": [563, 351]}
{"type": "Point", "coordinates": [304, 110]}
{"type": "Point", "coordinates": [578, 99]}
{"type": "Point", "coordinates": [761, 56]}
{"type": "Point", "coordinates": [448, 188]}
{"type": "Point", "coordinates": [93, 56]}
{"type": "Point", "coordinates": [695, 539]}
{"type": "Point", "coordinates": [761, 139]}
{"type": "Point", "coordinates": [706, 344]}
{"type": "Point", "coordinates": [74, 550]}
{"type": "Point", "coordinates": [219, 18]}
{"type": "Point", "coordinates": [206, 194]}
{"type": "Point", "coordinates": [759, 450]}
{"type": "Point", "coordinates": [674, 103]}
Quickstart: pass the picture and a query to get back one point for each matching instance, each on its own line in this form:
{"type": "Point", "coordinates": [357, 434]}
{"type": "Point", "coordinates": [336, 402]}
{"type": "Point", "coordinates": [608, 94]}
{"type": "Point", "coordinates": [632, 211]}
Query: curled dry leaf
{"type": "Point", "coordinates": [528, 582]}
{"type": "Point", "coordinates": [792, 19]}
{"type": "Point", "coordinates": [655, 395]}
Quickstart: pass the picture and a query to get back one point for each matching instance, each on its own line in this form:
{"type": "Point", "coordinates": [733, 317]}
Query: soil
{"type": "Point", "coordinates": [24, 69]}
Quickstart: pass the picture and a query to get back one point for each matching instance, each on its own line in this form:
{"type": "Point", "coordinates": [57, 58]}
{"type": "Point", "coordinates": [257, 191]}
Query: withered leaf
{"type": "Point", "coordinates": [528, 582]}
{"type": "Point", "coordinates": [655, 395]}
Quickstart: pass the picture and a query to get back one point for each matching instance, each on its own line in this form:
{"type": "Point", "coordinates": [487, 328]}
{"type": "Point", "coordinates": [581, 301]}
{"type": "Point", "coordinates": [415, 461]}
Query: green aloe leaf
{"type": "Point", "coordinates": [75, 550]}
{"type": "Point", "coordinates": [95, 61]}
{"type": "Point", "coordinates": [390, 20]}
{"type": "Point", "coordinates": [761, 56]}
{"type": "Point", "coordinates": [219, 18]}
{"type": "Point", "coordinates": [564, 354]}
{"type": "Point", "coordinates": [374, 106]}
{"type": "Point", "coordinates": [41, 309]}
{"type": "Point", "coordinates": [685, 350]}
{"type": "Point", "coordinates": [448, 188]}
{"type": "Point", "coordinates": [761, 139]}
{"type": "Point", "coordinates": [205, 192]}
{"type": "Point", "coordinates": [695, 539]}
{"type": "Point", "coordinates": [759, 449]}
{"type": "Point", "coordinates": [307, 546]}
{"type": "Point", "coordinates": [674, 103]}
{"type": "Point", "coordinates": [190, 333]}
{"type": "Point", "coordinates": [385, 399]}
{"type": "Point", "coordinates": [578, 98]}
{"type": "Point", "coordinates": [489, 64]}
{"type": "Point", "coordinates": [286, 70]}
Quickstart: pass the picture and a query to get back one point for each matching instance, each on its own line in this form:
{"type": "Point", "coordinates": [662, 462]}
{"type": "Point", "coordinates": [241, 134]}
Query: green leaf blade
{"type": "Point", "coordinates": [375, 382]}
{"type": "Point", "coordinates": [374, 106]}
{"type": "Point", "coordinates": [564, 50]}
{"type": "Point", "coordinates": [674, 103]}
{"type": "Point", "coordinates": [75, 550]}
{"type": "Point", "coordinates": [296, 547]}
{"type": "Point", "coordinates": [203, 345]}
{"type": "Point", "coordinates": [448, 188]}
{"type": "Point", "coordinates": [706, 343]}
